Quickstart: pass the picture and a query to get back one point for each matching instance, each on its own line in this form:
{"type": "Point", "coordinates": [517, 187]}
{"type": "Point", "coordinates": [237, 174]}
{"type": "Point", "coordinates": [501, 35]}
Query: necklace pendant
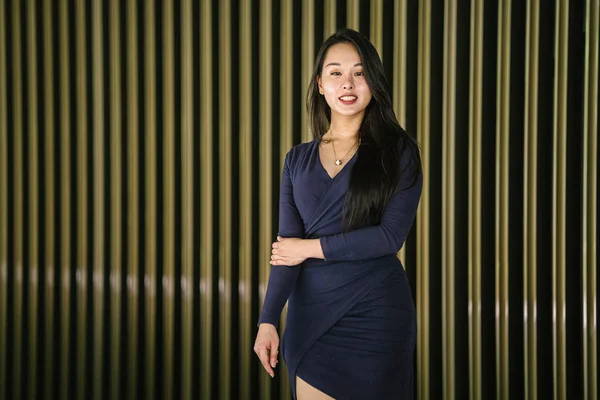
{"type": "Point", "coordinates": [338, 162]}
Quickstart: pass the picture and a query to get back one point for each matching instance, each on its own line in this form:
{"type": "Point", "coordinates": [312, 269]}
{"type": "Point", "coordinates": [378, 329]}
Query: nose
{"type": "Point", "coordinates": [349, 84]}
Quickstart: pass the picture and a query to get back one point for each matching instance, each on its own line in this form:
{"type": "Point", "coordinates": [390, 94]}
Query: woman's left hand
{"type": "Point", "coordinates": [288, 251]}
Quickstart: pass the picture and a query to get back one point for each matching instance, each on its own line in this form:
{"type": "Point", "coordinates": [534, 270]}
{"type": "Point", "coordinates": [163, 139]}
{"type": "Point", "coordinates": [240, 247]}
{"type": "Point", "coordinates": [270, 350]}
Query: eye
{"type": "Point", "coordinates": [335, 73]}
{"type": "Point", "coordinates": [359, 73]}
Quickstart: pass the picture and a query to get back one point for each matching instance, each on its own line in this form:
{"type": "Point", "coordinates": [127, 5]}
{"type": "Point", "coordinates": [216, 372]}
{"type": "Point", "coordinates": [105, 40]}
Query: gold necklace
{"type": "Point", "coordinates": [338, 161]}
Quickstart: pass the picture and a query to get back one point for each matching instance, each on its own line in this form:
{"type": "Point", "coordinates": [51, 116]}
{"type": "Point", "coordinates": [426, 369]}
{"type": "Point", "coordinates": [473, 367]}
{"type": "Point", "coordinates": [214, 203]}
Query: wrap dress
{"type": "Point", "coordinates": [351, 323]}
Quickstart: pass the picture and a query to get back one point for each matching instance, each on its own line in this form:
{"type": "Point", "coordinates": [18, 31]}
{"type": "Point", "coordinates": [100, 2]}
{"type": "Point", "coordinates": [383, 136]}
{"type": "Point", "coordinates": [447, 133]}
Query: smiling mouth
{"type": "Point", "coordinates": [348, 99]}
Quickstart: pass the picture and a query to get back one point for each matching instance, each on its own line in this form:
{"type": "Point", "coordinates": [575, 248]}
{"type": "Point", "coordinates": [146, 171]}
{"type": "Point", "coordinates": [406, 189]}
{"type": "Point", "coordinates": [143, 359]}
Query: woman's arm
{"type": "Point", "coordinates": [283, 278]}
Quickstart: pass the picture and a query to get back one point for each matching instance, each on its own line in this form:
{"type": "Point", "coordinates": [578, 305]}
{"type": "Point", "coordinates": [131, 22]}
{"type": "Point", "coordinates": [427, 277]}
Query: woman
{"type": "Point", "coordinates": [348, 200]}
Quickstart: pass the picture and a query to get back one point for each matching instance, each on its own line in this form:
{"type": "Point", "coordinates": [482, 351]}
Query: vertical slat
{"type": "Point", "coordinates": [116, 171]}
{"type": "Point", "coordinates": [3, 202]}
{"type": "Point", "coordinates": [206, 169]}
{"type": "Point", "coordinates": [448, 197]}
{"type": "Point", "coordinates": [187, 200]}
{"type": "Point", "coordinates": [82, 222]}
{"type": "Point", "coordinates": [559, 195]}
{"type": "Point", "coordinates": [65, 198]}
{"type": "Point", "coordinates": [352, 14]}
{"type": "Point", "coordinates": [49, 218]}
{"type": "Point", "coordinates": [399, 92]}
{"type": "Point", "coordinates": [475, 204]}
{"type": "Point", "coordinates": [98, 190]}
{"type": "Point", "coordinates": [286, 127]}
{"type": "Point", "coordinates": [133, 277]}
{"type": "Point", "coordinates": [225, 197]}
{"type": "Point", "coordinates": [376, 25]}
{"type": "Point", "coordinates": [265, 166]}
{"type": "Point", "coordinates": [589, 232]}
{"type": "Point", "coordinates": [33, 157]}
{"type": "Point", "coordinates": [150, 278]}
{"type": "Point", "coordinates": [530, 199]}
{"type": "Point", "coordinates": [246, 157]}
{"type": "Point", "coordinates": [168, 278]}
{"type": "Point", "coordinates": [330, 17]}
{"type": "Point", "coordinates": [308, 50]}
{"type": "Point", "coordinates": [423, 115]}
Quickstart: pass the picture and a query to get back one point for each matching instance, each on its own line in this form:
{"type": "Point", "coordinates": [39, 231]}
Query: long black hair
{"type": "Point", "coordinates": [376, 173]}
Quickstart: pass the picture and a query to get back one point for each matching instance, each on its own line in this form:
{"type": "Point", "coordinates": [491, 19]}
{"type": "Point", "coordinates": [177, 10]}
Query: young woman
{"type": "Point", "coordinates": [348, 200]}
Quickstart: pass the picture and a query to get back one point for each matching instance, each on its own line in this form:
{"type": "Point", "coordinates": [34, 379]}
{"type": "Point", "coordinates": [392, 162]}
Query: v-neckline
{"type": "Point", "coordinates": [331, 178]}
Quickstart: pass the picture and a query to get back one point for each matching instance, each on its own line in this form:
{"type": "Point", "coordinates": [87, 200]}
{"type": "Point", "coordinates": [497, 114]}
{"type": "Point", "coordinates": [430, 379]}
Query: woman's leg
{"type": "Point", "coordinates": [306, 392]}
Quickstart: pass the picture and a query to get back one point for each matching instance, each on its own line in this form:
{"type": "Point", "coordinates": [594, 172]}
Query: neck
{"type": "Point", "coordinates": [345, 127]}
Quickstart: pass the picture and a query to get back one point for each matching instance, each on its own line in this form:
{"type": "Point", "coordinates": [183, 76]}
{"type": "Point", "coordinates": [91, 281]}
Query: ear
{"type": "Point", "coordinates": [319, 85]}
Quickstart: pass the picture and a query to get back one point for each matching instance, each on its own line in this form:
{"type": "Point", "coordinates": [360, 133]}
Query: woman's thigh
{"type": "Point", "coordinates": [306, 392]}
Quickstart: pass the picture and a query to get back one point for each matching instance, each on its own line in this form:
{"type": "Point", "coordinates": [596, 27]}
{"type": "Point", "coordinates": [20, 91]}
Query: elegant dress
{"type": "Point", "coordinates": [351, 324]}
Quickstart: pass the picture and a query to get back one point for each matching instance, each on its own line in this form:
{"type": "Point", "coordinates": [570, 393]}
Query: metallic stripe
{"type": "Point", "coordinates": [168, 278]}
{"type": "Point", "coordinates": [559, 195]}
{"type": "Point", "coordinates": [423, 116]}
{"type": "Point", "coordinates": [265, 163]}
{"type": "Point", "coordinates": [187, 200]}
{"type": "Point", "coordinates": [590, 203]}
{"type": "Point", "coordinates": [308, 56]}
{"type": "Point", "coordinates": [377, 25]}
{"type": "Point", "coordinates": [225, 208]}
{"type": "Point", "coordinates": [206, 265]}
{"type": "Point", "coordinates": [33, 157]}
{"type": "Point", "coordinates": [98, 212]}
{"type": "Point", "coordinates": [150, 278]}
{"type": "Point", "coordinates": [65, 201]}
{"type": "Point", "coordinates": [399, 91]}
{"type": "Point", "coordinates": [82, 212]}
{"type": "Point", "coordinates": [330, 18]}
{"type": "Point", "coordinates": [133, 278]}
{"type": "Point", "coordinates": [352, 14]}
{"type": "Point", "coordinates": [530, 199]}
{"type": "Point", "coordinates": [475, 203]}
{"type": "Point", "coordinates": [246, 156]}
{"type": "Point", "coordinates": [502, 210]}
{"type": "Point", "coordinates": [448, 197]}
{"type": "Point", "coordinates": [3, 202]}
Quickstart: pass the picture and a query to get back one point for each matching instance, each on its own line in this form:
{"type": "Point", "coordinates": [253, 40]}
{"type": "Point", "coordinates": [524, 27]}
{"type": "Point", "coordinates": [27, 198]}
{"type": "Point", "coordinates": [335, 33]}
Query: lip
{"type": "Point", "coordinates": [348, 102]}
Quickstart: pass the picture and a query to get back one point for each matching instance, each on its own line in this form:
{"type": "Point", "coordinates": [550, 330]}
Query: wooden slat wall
{"type": "Point", "coordinates": [141, 145]}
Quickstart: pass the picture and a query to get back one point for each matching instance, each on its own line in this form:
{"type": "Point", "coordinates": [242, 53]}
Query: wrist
{"type": "Point", "coordinates": [313, 248]}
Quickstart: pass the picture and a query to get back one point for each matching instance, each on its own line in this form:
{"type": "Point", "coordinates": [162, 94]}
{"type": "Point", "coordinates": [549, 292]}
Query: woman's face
{"type": "Point", "coordinates": [343, 82]}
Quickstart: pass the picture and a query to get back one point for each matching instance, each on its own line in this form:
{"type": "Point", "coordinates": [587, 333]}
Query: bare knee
{"type": "Point", "coordinates": [304, 391]}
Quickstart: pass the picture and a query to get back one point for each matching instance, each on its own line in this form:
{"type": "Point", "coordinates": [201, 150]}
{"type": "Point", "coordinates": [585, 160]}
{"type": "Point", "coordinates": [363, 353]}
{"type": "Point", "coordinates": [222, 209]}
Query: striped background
{"type": "Point", "coordinates": [141, 144]}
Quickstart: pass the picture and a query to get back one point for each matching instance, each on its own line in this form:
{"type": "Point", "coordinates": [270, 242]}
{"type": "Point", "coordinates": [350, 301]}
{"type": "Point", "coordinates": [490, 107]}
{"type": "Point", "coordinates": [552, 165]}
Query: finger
{"type": "Point", "coordinates": [264, 359]}
{"type": "Point", "coordinates": [274, 353]}
{"type": "Point", "coordinates": [279, 238]}
{"type": "Point", "coordinates": [275, 245]}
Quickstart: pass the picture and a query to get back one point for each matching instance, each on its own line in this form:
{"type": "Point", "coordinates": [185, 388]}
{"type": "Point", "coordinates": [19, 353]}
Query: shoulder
{"type": "Point", "coordinates": [298, 153]}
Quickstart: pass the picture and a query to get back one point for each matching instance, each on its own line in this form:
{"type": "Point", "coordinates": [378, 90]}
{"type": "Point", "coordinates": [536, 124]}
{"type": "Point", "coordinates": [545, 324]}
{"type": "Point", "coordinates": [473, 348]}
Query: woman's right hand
{"type": "Point", "coordinates": [266, 347]}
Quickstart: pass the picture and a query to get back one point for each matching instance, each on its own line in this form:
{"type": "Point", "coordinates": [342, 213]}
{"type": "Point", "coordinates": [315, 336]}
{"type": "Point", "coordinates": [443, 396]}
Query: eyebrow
{"type": "Point", "coordinates": [339, 65]}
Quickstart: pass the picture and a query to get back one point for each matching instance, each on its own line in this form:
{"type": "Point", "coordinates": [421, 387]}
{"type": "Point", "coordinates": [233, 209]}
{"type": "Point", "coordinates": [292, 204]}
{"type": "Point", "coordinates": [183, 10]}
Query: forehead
{"type": "Point", "coordinates": [342, 53]}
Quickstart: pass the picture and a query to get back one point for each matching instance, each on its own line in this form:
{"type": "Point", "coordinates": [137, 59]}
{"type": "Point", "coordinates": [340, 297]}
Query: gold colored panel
{"type": "Point", "coordinates": [448, 198]}
{"type": "Point", "coordinates": [308, 57]}
{"type": "Point", "coordinates": [329, 9]}
{"type": "Point", "coordinates": [168, 278]}
{"type": "Point", "coordinates": [352, 14]}
{"type": "Point", "coordinates": [423, 116]}
{"type": "Point", "coordinates": [150, 278]}
{"type": "Point", "coordinates": [590, 202]}
{"type": "Point", "coordinates": [246, 157]}
{"type": "Point", "coordinates": [225, 200]}
{"type": "Point", "coordinates": [49, 219]}
{"type": "Point", "coordinates": [133, 277]}
{"type": "Point", "coordinates": [206, 263]}
{"type": "Point", "coordinates": [377, 25]}
{"type": "Point", "coordinates": [3, 202]}
{"type": "Point", "coordinates": [187, 214]}
{"type": "Point", "coordinates": [33, 157]}
{"type": "Point", "coordinates": [265, 166]}
{"type": "Point", "coordinates": [559, 195]}
{"type": "Point", "coordinates": [82, 222]}
{"type": "Point", "coordinates": [65, 191]}
{"type": "Point", "coordinates": [98, 190]}
{"type": "Point", "coordinates": [502, 211]}
{"type": "Point", "coordinates": [475, 203]}
{"type": "Point", "coordinates": [530, 197]}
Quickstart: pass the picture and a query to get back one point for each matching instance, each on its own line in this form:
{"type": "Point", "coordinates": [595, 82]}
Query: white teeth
{"type": "Point", "coordinates": [348, 98]}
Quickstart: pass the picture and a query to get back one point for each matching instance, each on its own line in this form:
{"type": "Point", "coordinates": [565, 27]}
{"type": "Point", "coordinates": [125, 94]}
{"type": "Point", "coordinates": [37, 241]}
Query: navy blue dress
{"type": "Point", "coordinates": [351, 324]}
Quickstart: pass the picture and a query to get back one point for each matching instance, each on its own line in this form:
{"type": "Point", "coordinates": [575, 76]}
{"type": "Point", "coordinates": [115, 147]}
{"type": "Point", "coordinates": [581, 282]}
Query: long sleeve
{"type": "Point", "coordinates": [283, 278]}
{"type": "Point", "coordinates": [380, 240]}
